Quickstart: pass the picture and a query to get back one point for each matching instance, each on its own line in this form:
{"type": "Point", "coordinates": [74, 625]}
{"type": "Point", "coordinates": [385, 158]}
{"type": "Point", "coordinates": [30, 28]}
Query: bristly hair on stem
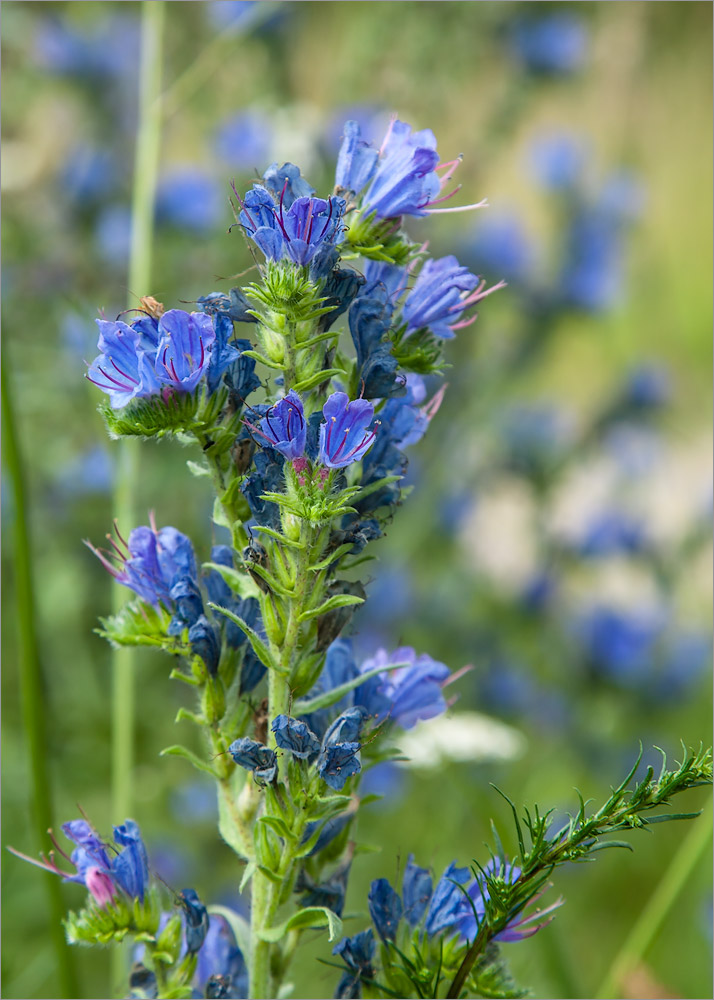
{"type": "Point", "coordinates": [625, 809]}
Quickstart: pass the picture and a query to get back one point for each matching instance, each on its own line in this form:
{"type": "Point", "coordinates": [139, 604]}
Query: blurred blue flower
{"type": "Point", "coordinates": [499, 246]}
{"type": "Point", "coordinates": [407, 694]}
{"type": "Point", "coordinates": [221, 956]}
{"type": "Point", "coordinates": [591, 278]}
{"type": "Point", "coordinates": [110, 50]}
{"type": "Point", "coordinates": [88, 175]}
{"type": "Point", "coordinates": [538, 592]}
{"type": "Point", "coordinates": [619, 645]}
{"type": "Point", "coordinates": [647, 387]}
{"type": "Point", "coordinates": [554, 44]}
{"type": "Point", "coordinates": [534, 439]}
{"type": "Point", "coordinates": [229, 13]}
{"type": "Point", "coordinates": [190, 198]}
{"type": "Point", "coordinates": [243, 140]}
{"type": "Point", "coordinates": [112, 234]}
{"type": "Point", "coordinates": [686, 658]}
{"type": "Point", "coordinates": [558, 160]}
{"type": "Point", "coordinates": [613, 532]}
{"type": "Point", "coordinates": [391, 597]}
{"type": "Point", "coordinates": [193, 802]}
{"type": "Point", "coordinates": [90, 472]}
{"type": "Point", "coordinates": [373, 120]}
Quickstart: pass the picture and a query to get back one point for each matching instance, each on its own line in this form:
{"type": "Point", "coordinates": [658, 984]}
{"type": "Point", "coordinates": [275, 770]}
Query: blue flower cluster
{"type": "Point", "coordinates": [107, 870]}
{"type": "Point", "coordinates": [161, 356]}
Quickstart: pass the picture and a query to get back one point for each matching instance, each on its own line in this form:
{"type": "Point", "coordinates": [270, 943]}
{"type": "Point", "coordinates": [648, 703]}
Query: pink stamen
{"type": "Point", "coordinates": [203, 353]}
{"type": "Point", "coordinates": [103, 559]}
{"type": "Point", "coordinates": [392, 120]}
{"type": "Point", "coordinates": [480, 292]}
{"type": "Point", "coordinates": [329, 219]}
{"type": "Point", "coordinates": [445, 197]}
{"type": "Point", "coordinates": [460, 208]}
{"type": "Point", "coordinates": [308, 221]}
{"type": "Point", "coordinates": [121, 385]}
{"type": "Point", "coordinates": [464, 323]}
{"type": "Point", "coordinates": [451, 168]}
{"type": "Point", "coordinates": [430, 410]}
{"type": "Point", "coordinates": [243, 205]}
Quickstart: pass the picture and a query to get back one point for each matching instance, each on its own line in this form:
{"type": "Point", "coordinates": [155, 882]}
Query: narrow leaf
{"type": "Point", "coordinates": [338, 601]}
{"type": "Point", "coordinates": [259, 647]}
{"type": "Point", "coordinates": [266, 361]}
{"type": "Point", "coordinates": [178, 751]}
{"type": "Point", "coordinates": [311, 916]}
{"type": "Point", "coordinates": [318, 379]}
{"type": "Point", "coordinates": [330, 697]}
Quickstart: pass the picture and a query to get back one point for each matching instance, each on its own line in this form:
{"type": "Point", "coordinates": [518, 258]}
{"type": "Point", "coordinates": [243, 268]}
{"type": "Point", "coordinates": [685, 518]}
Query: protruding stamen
{"type": "Point", "coordinates": [460, 208]}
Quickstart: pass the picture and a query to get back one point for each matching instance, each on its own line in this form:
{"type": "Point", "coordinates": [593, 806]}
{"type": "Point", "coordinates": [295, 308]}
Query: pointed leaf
{"type": "Point", "coordinates": [338, 601]}
{"type": "Point", "coordinates": [259, 647]}
{"type": "Point", "coordinates": [178, 751]}
{"type": "Point", "coordinates": [311, 916]}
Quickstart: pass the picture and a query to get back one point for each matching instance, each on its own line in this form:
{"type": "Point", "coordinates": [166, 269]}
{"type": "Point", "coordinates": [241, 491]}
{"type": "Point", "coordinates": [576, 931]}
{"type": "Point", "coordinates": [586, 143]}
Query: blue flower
{"type": "Point", "coordinates": [553, 44]}
{"type": "Point", "coordinates": [196, 921]}
{"type": "Point", "coordinates": [255, 757]}
{"type": "Point", "coordinates": [356, 160]}
{"type": "Point", "coordinates": [402, 178]}
{"type": "Point", "coordinates": [123, 369]}
{"type": "Point", "coordinates": [339, 755]}
{"type": "Point", "coordinates": [183, 353]}
{"type": "Point", "coordinates": [205, 641]}
{"type": "Point", "coordinates": [112, 233]}
{"type": "Point", "coordinates": [416, 891]}
{"type": "Point", "coordinates": [150, 562]}
{"type": "Point", "coordinates": [188, 604]}
{"type": "Point", "coordinates": [384, 281]}
{"type": "Point", "coordinates": [344, 437]}
{"type": "Point", "coordinates": [234, 305]}
{"type": "Point", "coordinates": [284, 426]}
{"type": "Point", "coordinates": [440, 296]}
{"type": "Point", "coordinates": [223, 354]}
{"type": "Point", "coordinates": [297, 233]}
{"type": "Point", "coordinates": [330, 893]}
{"type": "Point", "coordinates": [221, 956]}
{"type": "Point", "coordinates": [385, 908]}
{"type": "Point", "coordinates": [293, 735]}
{"type": "Point", "coordinates": [244, 139]}
{"type": "Point", "coordinates": [534, 439]}
{"type": "Point", "coordinates": [88, 175]}
{"type": "Point", "coordinates": [369, 320]}
{"type": "Point", "coordinates": [357, 952]}
{"type": "Point", "coordinates": [267, 477]}
{"type": "Point", "coordinates": [103, 869]}
{"type": "Point", "coordinates": [448, 904]}
{"type": "Point", "coordinates": [130, 867]}
{"type": "Point", "coordinates": [412, 692]}
{"type": "Point", "coordinates": [189, 198]}
{"type": "Point", "coordinates": [286, 184]}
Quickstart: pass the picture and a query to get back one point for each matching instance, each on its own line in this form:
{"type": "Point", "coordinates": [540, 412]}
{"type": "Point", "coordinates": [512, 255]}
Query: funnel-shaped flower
{"type": "Point", "coordinates": [345, 437]}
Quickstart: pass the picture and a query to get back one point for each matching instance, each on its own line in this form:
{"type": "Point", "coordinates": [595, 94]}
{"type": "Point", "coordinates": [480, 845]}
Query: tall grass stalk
{"type": "Point", "coordinates": [146, 165]}
{"type": "Point", "coordinates": [694, 846]}
{"type": "Point", "coordinates": [33, 688]}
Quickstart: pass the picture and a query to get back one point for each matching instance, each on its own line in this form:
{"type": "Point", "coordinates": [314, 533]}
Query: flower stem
{"type": "Point", "coordinates": [32, 686]}
{"type": "Point", "coordinates": [690, 852]}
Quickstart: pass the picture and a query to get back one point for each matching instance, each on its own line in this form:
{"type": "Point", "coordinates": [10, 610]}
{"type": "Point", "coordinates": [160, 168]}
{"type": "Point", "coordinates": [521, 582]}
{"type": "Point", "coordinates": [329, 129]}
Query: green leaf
{"type": "Point", "coordinates": [377, 485]}
{"type": "Point", "coordinates": [340, 551]}
{"type": "Point", "coordinates": [240, 583]}
{"type": "Point", "coordinates": [266, 361]}
{"type": "Point", "coordinates": [198, 470]}
{"type": "Point", "coordinates": [250, 869]}
{"type": "Point", "coordinates": [318, 379]}
{"type": "Point", "coordinates": [330, 697]}
{"type": "Point", "coordinates": [649, 820]}
{"type": "Point", "coordinates": [178, 751]}
{"type": "Point", "coordinates": [278, 826]}
{"type": "Point", "coordinates": [311, 916]}
{"type": "Point", "coordinates": [259, 647]}
{"type": "Point", "coordinates": [338, 601]}
{"type": "Point", "coordinates": [278, 536]}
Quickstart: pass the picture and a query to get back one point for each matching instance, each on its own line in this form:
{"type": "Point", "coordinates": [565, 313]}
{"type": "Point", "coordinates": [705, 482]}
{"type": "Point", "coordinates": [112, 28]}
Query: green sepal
{"type": "Point", "coordinates": [338, 601]}
{"type": "Point", "coordinates": [267, 850]}
{"type": "Point", "coordinates": [179, 751]}
{"type": "Point", "coordinates": [278, 826]}
{"type": "Point", "coordinates": [152, 417]}
{"type": "Point", "coordinates": [259, 647]}
{"type": "Point", "coordinates": [270, 874]}
{"type": "Point", "coordinates": [340, 551]}
{"type": "Point", "coordinates": [248, 873]}
{"type": "Point", "coordinates": [318, 378]}
{"type": "Point", "coordinates": [278, 536]}
{"type": "Point", "coordinates": [141, 624]}
{"type": "Point", "coordinates": [311, 917]}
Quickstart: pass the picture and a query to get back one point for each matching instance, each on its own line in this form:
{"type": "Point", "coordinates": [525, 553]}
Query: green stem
{"type": "Point", "coordinates": [145, 174]}
{"type": "Point", "coordinates": [660, 903]}
{"type": "Point", "coordinates": [33, 688]}
{"type": "Point", "coordinates": [146, 159]}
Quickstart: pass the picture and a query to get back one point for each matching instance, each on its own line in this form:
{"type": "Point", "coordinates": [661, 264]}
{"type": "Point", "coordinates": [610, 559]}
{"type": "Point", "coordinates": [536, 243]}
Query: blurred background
{"type": "Point", "coordinates": [558, 537]}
